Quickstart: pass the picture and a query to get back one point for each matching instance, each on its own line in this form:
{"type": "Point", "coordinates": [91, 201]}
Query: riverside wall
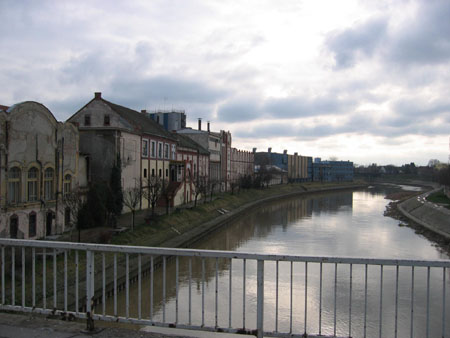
{"type": "Point", "coordinates": [427, 214]}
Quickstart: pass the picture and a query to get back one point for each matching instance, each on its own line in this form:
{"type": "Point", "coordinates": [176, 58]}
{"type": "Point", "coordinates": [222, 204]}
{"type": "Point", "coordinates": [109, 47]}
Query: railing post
{"type": "Point", "coordinates": [89, 289]}
{"type": "Point", "coordinates": [260, 299]}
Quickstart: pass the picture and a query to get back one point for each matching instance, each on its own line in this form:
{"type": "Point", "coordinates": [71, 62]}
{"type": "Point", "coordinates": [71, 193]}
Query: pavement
{"type": "Point", "coordinates": [14, 325]}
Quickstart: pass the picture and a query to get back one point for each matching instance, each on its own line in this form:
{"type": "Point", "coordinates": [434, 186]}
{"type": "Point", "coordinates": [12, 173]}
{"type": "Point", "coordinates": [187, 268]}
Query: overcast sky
{"type": "Point", "coordinates": [366, 81]}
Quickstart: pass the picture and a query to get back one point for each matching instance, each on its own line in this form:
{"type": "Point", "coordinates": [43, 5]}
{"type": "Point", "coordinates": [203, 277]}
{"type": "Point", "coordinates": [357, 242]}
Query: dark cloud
{"type": "Point", "coordinates": [239, 110]}
{"type": "Point", "coordinates": [295, 107]}
{"type": "Point", "coordinates": [358, 41]}
{"type": "Point", "coordinates": [144, 91]}
{"type": "Point", "coordinates": [282, 108]}
{"type": "Point", "coordinates": [423, 38]}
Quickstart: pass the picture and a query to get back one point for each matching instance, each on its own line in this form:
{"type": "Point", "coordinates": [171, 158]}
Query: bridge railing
{"type": "Point", "coordinates": [261, 294]}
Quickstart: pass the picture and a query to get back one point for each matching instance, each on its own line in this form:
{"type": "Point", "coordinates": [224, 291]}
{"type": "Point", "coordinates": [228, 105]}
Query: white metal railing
{"type": "Point", "coordinates": [227, 291]}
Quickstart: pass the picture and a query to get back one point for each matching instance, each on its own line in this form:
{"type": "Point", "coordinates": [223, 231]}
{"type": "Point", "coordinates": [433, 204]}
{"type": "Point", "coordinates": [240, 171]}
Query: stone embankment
{"type": "Point", "coordinates": [431, 216]}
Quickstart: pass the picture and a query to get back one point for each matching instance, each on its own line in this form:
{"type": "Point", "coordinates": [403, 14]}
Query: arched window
{"type": "Point", "coordinates": [48, 184]}
{"type": "Point", "coordinates": [67, 184]}
{"type": "Point", "coordinates": [33, 184]}
{"type": "Point", "coordinates": [14, 185]}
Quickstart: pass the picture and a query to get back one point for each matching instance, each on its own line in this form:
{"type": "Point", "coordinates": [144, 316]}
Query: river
{"type": "Point", "coordinates": [345, 223]}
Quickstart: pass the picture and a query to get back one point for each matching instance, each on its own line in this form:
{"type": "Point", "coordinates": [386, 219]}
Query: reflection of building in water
{"type": "Point", "coordinates": [260, 222]}
{"type": "Point", "coordinates": [332, 202]}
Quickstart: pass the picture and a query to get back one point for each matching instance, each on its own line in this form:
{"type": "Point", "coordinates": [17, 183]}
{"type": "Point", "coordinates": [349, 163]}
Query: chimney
{"type": "Point", "coordinates": [143, 111]}
{"type": "Point", "coordinates": [98, 95]}
{"type": "Point", "coordinates": [269, 150]}
{"type": "Point", "coordinates": [285, 151]}
{"type": "Point", "coordinates": [208, 126]}
{"type": "Point", "coordinates": [199, 123]}
{"type": "Point", "coordinates": [254, 150]}
{"type": "Point", "coordinates": [296, 154]}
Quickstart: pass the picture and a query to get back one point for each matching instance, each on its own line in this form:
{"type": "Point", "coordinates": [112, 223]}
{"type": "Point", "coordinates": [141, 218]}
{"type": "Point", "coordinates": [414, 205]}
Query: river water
{"type": "Point", "coordinates": [345, 223]}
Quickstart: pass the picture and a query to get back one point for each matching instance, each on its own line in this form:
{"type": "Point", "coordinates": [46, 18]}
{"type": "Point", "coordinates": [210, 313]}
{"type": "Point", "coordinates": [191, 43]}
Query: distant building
{"type": "Point", "coordinates": [332, 171]}
{"type": "Point", "coordinates": [39, 163]}
{"type": "Point", "coordinates": [300, 168]}
{"type": "Point", "coordinates": [170, 120]}
{"type": "Point", "coordinates": [242, 164]}
{"type": "Point", "coordinates": [212, 142]}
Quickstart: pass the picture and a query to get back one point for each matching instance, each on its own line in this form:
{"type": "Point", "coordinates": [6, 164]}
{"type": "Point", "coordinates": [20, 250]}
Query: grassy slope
{"type": "Point", "coordinates": [439, 197]}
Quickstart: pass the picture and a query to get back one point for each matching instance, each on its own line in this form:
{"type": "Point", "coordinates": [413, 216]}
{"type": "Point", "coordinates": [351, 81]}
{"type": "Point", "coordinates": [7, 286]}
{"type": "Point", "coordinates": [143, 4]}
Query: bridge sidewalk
{"type": "Point", "coordinates": [38, 326]}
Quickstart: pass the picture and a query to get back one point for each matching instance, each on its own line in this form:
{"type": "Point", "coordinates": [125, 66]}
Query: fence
{"type": "Point", "coordinates": [226, 291]}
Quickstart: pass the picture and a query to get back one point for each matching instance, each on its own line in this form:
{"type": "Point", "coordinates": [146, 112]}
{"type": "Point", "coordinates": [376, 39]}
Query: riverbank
{"type": "Point", "coordinates": [426, 218]}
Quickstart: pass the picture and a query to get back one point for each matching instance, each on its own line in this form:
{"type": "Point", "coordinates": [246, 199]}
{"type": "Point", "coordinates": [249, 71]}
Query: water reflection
{"type": "Point", "coordinates": [336, 224]}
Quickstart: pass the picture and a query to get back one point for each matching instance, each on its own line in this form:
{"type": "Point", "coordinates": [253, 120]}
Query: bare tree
{"type": "Point", "coordinates": [167, 194]}
{"type": "Point", "coordinates": [212, 186]}
{"type": "Point", "coordinates": [151, 191]}
{"type": "Point", "coordinates": [201, 187]}
{"type": "Point", "coordinates": [233, 185]}
{"type": "Point", "coordinates": [74, 203]}
{"type": "Point", "coordinates": [131, 199]}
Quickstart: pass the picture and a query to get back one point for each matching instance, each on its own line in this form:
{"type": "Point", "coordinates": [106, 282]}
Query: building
{"type": "Point", "coordinates": [212, 143]}
{"type": "Point", "coordinates": [299, 168]}
{"type": "Point", "coordinates": [109, 131]}
{"type": "Point", "coordinates": [242, 164]}
{"type": "Point", "coordinates": [275, 164]}
{"type": "Point", "coordinates": [332, 171]}
{"type": "Point", "coordinates": [170, 120]}
{"type": "Point", "coordinates": [192, 165]}
{"type": "Point", "coordinates": [272, 159]}
{"type": "Point", "coordinates": [39, 164]}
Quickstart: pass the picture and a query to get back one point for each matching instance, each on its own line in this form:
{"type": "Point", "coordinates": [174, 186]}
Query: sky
{"type": "Point", "coordinates": [365, 81]}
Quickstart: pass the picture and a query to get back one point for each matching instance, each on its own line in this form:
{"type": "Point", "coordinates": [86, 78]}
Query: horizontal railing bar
{"type": "Point", "coordinates": [220, 254]}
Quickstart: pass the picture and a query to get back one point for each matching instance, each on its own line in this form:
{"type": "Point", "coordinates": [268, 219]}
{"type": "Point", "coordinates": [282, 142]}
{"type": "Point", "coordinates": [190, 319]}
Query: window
{"type": "Point", "coordinates": [13, 226]}
{"type": "Point", "coordinates": [153, 172]}
{"type": "Point", "coordinates": [166, 151]}
{"type": "Point", "coordinates": [14, 185]}
{"type": "Point", "coordinates": [32, 225]}
{"type": "Point", "coordinates": [67, 184]}
{"type": "Point", "coordinates": [167, 172]}
{"type": "Point", "coordinates": [173, 152]}
{"type": "Point", "coordinates": [160, 172]}
{"type": "Point", "coordinates": [87, 120]}
{"type": "Point", "coordinates": [48, 184]}
{"type": "Point", "coordinates": [145, 148]}
{"type": "Point", "coordinates": [32, 184]}
{"type": "Point", "coordinates": [160, 150]}
{"type": "Point", "coordinates": [153, 149]}
{"type": "Point", "coordinates": [145, 173]}
{"type": "Point", "coordinates": [106, 120]}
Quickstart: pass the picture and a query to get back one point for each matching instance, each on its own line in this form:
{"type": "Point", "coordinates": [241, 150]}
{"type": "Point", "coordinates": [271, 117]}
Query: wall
{"type": "Point", "coordinates": [32, 138]}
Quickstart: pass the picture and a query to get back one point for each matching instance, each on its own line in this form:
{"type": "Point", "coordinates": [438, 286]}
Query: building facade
{"type": "Point", "coordinates": [332, 171]}
{"type": "Point", "coordinates": [39, 164]}
{"type": "Point", "coordinates": [242, 164]}
{"type": "Point", "coordinates": [109, 131]}
{"type": "Point", "coordinates": [299, 168]}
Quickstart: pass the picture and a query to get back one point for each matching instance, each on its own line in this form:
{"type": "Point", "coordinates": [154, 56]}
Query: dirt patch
{"type": "Point", "coordinates": [402, 195]}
